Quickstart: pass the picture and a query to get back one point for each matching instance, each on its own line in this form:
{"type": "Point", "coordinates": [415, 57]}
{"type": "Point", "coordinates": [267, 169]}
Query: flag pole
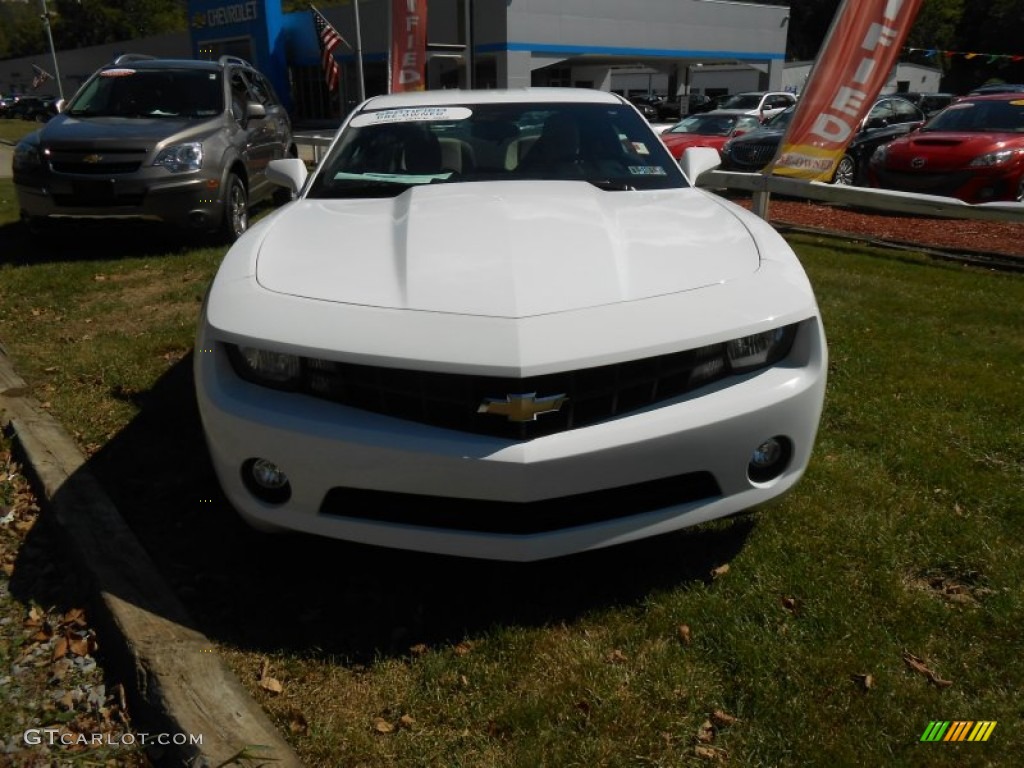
{"type": "Point", "coordinates": [359, 57]}
{"type": "Point", "coordinates": [53, 51]}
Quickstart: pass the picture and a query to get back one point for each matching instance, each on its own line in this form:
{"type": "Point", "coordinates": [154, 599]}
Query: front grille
{"type": "Point", "coordinates": [96, 162]}
{"type": "Point", "coordinates": [101, 192]}
{"type": "Point", "coordinates": [80, 167]}
{"type": "Point", "coordinates": [750, 155]}
{"type": "Point", "coordinates": [453, 401]}
{"type": "Point", "coordinates": [945, 184]}
{"type": "Point", "coordinates": [445, 512]}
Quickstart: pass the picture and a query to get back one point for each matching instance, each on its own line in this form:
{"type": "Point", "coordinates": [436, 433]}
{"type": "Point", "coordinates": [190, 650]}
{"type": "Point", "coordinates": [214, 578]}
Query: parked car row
{"type": "Point", "coordinates": [972, 149]}
{"type": "Point", "coordinates": [36, 108]}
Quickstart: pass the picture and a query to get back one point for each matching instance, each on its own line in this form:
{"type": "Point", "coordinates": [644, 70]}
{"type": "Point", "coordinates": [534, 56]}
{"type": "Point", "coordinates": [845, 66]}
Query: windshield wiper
{"type": "Point", "coordinates": [362, 188]}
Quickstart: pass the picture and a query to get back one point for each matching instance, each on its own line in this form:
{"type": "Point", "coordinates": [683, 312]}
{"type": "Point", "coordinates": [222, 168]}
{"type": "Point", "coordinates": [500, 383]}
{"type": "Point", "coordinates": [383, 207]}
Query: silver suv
{"type": "Point", "coordinates": [185, 142]}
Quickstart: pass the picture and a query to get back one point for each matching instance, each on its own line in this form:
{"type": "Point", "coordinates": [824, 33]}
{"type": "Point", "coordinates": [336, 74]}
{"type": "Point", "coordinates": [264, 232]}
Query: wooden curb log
{"type": "Point", "coordinates": [175, 685]}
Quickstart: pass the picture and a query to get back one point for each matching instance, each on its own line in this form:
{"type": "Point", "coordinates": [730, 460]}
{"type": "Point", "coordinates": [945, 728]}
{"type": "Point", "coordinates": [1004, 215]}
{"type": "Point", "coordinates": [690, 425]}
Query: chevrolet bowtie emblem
{"type": "Point", "coordinates": [522, 408]}
{"type": "Point", "coordinates": [92, 158]}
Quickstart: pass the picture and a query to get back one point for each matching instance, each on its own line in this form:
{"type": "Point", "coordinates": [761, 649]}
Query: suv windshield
{"type": "Point", "coordinates": [382, 153]}
{"type": "Point", "coordinates": [127, 92]}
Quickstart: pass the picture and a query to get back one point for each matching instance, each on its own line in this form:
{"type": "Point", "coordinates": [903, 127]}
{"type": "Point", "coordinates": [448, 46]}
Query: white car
{"type": "Point", "coordinates": [761, 104]}
{"type": "Point", "coordinates": [503, 324]}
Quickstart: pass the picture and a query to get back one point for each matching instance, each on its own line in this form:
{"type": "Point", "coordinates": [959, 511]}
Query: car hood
{"type": "Point", "coordinates": [945, 150]}
{"type": "Point", "coordinates": [117, 131]}
{"type": "Point", "coordinates": [504, 249]}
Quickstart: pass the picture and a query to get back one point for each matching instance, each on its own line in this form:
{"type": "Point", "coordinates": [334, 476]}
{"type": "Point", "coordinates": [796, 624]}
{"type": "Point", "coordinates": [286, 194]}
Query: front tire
{"type": "Point", "coordinates": [236, 210]}
{"type": "Point", "coordinates": [845, 172]}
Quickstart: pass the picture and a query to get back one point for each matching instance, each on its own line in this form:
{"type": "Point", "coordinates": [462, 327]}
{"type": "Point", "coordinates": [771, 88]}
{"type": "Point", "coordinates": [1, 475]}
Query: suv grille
{"type": "Point", "coordinates": [453, 401]}
{"type": "Point", "coordinates": [97, 162]}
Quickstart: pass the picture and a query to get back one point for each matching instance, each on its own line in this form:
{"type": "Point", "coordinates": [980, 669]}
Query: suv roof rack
{"type": "Point", "coordinates": [234, 60]}
{"type": "Point", "coordinates": [126, 58]}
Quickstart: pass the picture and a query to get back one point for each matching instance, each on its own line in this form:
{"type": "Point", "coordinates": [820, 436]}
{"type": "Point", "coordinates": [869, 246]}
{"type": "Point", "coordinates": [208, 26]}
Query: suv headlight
{"type": "Point", "coordinates": [27, 156]}
{"type": "Point", "coordinates": [181, 157]}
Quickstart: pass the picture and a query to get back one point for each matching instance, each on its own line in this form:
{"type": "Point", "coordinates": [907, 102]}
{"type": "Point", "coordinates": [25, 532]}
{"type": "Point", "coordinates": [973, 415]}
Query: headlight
{"type": "Point", "coordinates": [181, 158]}
{"type": "Point", "coordinates": [262, 366]}
{"type": "Point", "coordinates": [1002, 157]}
{"type": "Point", "coordinates": [27, 156]}
{"type": "Point", "coordinates": [759, 350]}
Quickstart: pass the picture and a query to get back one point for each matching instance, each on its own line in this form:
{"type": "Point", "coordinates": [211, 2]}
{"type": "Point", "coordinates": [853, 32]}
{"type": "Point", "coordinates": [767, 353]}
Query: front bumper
{"type": "Point", "coordinates": [325, 447]}
{"type": "Point", "coordinates": [189, 200]}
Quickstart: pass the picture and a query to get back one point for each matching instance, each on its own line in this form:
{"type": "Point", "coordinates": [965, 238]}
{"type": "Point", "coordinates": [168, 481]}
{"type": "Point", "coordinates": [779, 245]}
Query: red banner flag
{"type": "Point", "coordinates": [408, 45]}
{"type": "Point", "coordinates": [855, 60]}
{"type": "Point", "coordinates": [329, 40]}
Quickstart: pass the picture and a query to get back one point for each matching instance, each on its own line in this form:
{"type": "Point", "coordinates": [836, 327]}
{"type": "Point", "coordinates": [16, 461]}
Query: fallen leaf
{"type": "Point", "coordinates": [380, 725]}
{"type": "Point", "coordinates": [297, 723]}
{"type": "Point", "coordinates": [921, 668]}
{"type": "Point", "coordinates": [271, 684]}
{"type": "Point", "coordinates": [617, 657]}
{"type": "Point", "coordinates": [865, 682]}
{"type": "Point", "coordinates": [706, 732]}
{"type": "Point", "coordinates": [723, 719]}
{"type": "Point", "coordinates": [790, 604]}
{"type": "Point", "coordinates": [75, 616]}
{"type": "Point", "coordinates": [463, 648]}
{"type": "Point", "coordinates": [684, 633]}
{"type": "Point", "coordinates": [709, 753]}
{"type": "Point", "coordinates": [719, 571]}
{"type": "Point", "coordinates": [60, 648]}
{"type": "Point", "coordinates": [406, 721]}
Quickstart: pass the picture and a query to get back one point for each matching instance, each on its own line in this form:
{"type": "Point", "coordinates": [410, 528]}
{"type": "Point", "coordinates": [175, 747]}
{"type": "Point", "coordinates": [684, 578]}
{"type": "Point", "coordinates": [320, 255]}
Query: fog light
{"type": "Point", "coordinates": [266, 481]}
{"type": "Point", "coordinates": [769, 459]}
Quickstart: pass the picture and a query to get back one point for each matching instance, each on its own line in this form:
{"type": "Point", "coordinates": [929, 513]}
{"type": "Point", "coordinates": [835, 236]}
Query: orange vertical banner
{"type": "Point", "coordinates": [854, 63]}
{"type": "Point", "coordinates": [408, 45]}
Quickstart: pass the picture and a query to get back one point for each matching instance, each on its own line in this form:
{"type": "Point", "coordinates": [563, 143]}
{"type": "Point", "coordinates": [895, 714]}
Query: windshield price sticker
{"type": "Point", "coordinates": [647, 170]}
{"type": "Point", "coordinates": [411, 115]}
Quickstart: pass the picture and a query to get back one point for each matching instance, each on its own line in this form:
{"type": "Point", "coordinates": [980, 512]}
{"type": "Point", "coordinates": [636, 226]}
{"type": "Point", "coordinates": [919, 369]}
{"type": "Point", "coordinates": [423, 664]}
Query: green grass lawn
{"type": "Point", "coordinates": [13, 130]}
{"type": "Point", "coordinates": [882, 594]}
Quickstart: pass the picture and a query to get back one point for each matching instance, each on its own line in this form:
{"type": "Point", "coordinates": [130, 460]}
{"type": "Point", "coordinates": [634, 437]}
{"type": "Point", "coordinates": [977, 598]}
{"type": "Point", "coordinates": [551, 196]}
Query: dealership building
{"type": "Point", "coordinates": [649, 47]}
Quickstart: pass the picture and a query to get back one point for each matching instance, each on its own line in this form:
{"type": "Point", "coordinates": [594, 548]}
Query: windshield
{"type": "Point", "coordinates": [382, 153]}
{"type": "Point", "coordinates": [980, 117]}
{"type": "Point", "coordinates": [706, 125]}
{"type": "Point", "coordinates": [126, 92]}
{"type": "Point", "coordinates": [742, 101]}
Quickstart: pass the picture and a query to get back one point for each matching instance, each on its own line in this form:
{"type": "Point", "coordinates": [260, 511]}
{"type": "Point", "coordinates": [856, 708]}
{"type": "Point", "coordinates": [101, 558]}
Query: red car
{"type": "Point", "coordinates": [972, 150]}
{"type": "Point", "coordinates": [709, 129]}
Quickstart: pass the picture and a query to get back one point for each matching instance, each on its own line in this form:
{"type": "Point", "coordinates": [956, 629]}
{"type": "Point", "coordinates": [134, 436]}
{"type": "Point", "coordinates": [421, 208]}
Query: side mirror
{"type": "Point", "coordinates": [697, 160]}
{"type": "Point", "coordinates": [254, 111]}
{"type": "Point", "coordinates": [289, 172]}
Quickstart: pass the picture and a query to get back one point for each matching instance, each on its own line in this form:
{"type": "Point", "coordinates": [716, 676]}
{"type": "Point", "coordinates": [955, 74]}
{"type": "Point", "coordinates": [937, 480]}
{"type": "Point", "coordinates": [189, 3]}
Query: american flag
{"type": "Point", "coordinates": [329, 40]}
{"type": "Point", "coordinates": [40, 76]}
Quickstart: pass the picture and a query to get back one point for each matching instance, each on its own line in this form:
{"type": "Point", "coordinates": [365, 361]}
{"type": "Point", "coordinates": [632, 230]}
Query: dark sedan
{"type": "Point", "coordinates": [889, 118]}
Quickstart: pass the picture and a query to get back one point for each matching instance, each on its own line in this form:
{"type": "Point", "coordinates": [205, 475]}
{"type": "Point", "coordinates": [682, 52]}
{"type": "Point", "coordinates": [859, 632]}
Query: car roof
{"type": "Point", "coordinates": [141, 61]}
{"type": "Point", "coordinates": [493, 96]}
{"type": "Point", "coordinates": [1001, 96]}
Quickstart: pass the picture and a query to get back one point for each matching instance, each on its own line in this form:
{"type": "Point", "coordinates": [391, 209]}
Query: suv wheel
{"type": "Point", "coordinates": [236, 210]}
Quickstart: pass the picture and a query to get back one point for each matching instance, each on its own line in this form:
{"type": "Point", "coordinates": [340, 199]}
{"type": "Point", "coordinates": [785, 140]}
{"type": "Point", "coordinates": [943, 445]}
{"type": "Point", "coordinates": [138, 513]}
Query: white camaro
{"type": "Point", "coordinates": [503, 324]}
